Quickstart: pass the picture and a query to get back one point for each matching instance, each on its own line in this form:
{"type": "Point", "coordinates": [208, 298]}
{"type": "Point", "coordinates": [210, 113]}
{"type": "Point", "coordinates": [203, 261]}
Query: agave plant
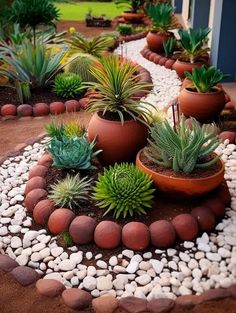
{"type": "Point", "coordinates": [68, 85]}
{"type": "Point", "coordinates": [205, 78]}
{"type": "Point", "coordinates": [118, 86]}
{"type": "Point", "coordinates": [184, 149]}
{"type": "Point", "coordinates": [193, 43]}
{"type": "Point", "coordinates": [169, 46]}
{"type": "Point", "coordinates": [72, 153]}
{"type": "Point", "coordinates": [71, 192]}
{"type": "Point", "coordinates": [123, 190]}
{"type": "Point", "coordinates": [161, 15]}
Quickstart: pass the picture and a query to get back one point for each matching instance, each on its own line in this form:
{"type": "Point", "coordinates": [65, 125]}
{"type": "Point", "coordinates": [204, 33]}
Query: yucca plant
{"type": "Point", "coordinates": [161, 15]}
{"type": "Point", "coordinates": [193, 43]}
{"type": "Point", "coordinates": [205, 78]}
{"type": "Point", "coordinates": [123, 190]}
{"type": "Point", "coordinates": [70, 192]}
{"type": "Point", "coordinates": [169, 46]}
{"type": "Point", "coordinates": [117, 87]}
{"type": "Point", "coordinates": [68, 85]}
{"type": "Point", "coordinates": [72, 153]}
{"type": "Point", "coordinates": [183, 149]}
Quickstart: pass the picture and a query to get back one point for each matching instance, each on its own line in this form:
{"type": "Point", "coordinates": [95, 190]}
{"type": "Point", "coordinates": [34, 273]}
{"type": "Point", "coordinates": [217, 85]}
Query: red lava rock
{"type": "Point", "coordinates": [38, 170]}
{"type": "Point", "coordinates": [45, 160]}
{"type": "Point", "coordinates": [148, 54]}
{"type": "Point", "coordinates": [232, 290]}
{"type": "Point", "coordinates": [160, 305]}
{"type": "Point", "coordinates": [231, 136]}
{"type": "Point", "coordinates": [162, 234]}
{"type": "Point", "coordinates": [133, 304]}
{"type": "Point", "coordinates": [230, 105]}
{"type": "Point", "coordinates": [163, 61]}
{"type": "Point", "coordinates": [169, 63]}
{"type": "Point", "coordinates": [33, 197]}
{"type": "Point", "coordinates": [8, 109]}
{"type": "Point", "coordinates": [213, 294]}
{"type": "Point", "coordinates": [106, 304]}
{"type": "Point", "coordinates": [41, 109]}
{"type": "Point", "coordinates": [7, 264]}
{"type": "Point", "coordinates": [135, 236]}
{"type": "Point", "coordinates": [223, 193]}
{"type": "Point", "coordinates": [35, 183]}
{"type": "Point", "coordinates": [24, 110]}
{"type": "Point", "coordinates": [57, 107]}
{"type": "Point", "coordinates": [152, 56]}
{"type": "Point", "coordinates": [59, 221]}
{"type": "Point", "coordinates": [107, 235]}
{"type": "Point", "coordinates": [76, 299]}
{"type": "Point", "coordinates": [185, 226]}
{"type": "Point", "coordinates": [157, 58]}
{"type": "Point", "coordinates": [215, 205]}
{"type": "Point", "coordinates": [188, 301]}
{"type": "Point", "coordinates": [204, 216]}
{"type": "Point", "coordinates": [227, 97]}
{"type": "Point", "coordinates": [25, 275]}
{"type": "Point", "coordinates": [42, 211]}
{"type": "Point", "coordinates": [49, 287]}
{"type": "Point", "coordinates": [72, 106]}
{"type": "Point", "coordinates": [82, 229]}
{"type": "Point", "coordinates": [83, 102]}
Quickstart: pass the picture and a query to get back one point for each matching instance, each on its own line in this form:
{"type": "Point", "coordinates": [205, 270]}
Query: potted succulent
{"type": "Point", "coordinates": [194, 51]}
{"type": "Point", "coordinates": [202, 99]}
{"type": "Point", "coordinates": [161, 15]}
{"type": "Point", "coordinates": [119, 120]}
{"type": "Point", "coordinates": [134, 13]}
{"type": "Point", "coordinates": [181, 159]}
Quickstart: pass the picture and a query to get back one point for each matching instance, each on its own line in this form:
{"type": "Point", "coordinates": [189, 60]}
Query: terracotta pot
{"type": "Point", "coordinates": [183, 187]}
{"type": "Point", "coordinates": [202, 106]}
{"type": "Point", "coordinates": [155, 41]}
{"type": "Point", "coordinates": [180, 67]}
{"type": "Point", "coordinates": [132, 17]}
{"type": "Point", "coordinates": [119, 143]}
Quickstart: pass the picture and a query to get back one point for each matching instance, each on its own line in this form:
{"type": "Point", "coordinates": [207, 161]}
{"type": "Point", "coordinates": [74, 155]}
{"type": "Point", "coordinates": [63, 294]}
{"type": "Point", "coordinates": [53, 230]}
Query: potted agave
{"type": "Point", "coordinates": [119, 120]}
{"type": "Point", "coordinates": [194, 51]}
{"type": "Point", "coordinates": [161, 15]}
{"type": "Point", "coordinates": [134, 13]}
{"type": "Point", "coordinates": [202, 99]}
{"type": "Point", "coordinates": [181, 159]}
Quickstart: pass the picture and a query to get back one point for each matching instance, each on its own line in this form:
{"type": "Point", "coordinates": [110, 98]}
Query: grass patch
{"type": "Point", "coordinates": [74, 11]}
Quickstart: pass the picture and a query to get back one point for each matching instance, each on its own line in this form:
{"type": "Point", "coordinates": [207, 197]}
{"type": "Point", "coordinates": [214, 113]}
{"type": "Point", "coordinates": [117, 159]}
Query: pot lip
{"type": "Point", "coordinates": [115, 122]}
{"type": "Point", "coordinates": [133, 13]}
{"type": "Point", "coordinates": [203, 179]}
{"type": "Point", "coordinates": [218, 91]}
{"type": "Point", "coordinates": [195, 63]}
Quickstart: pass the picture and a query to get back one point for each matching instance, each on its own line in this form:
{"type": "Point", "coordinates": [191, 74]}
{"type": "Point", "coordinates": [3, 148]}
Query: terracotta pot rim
{"type": "Point", "coordinates": [116, 122]}
{"type": "Point", "coordinates": [216, 92]}
{"type": "Point", "coordinates": [203, 179]}
{"type": "Point", "coordinates": [185, 62]}
{"type": "Point", "coordinates": [132, 13]}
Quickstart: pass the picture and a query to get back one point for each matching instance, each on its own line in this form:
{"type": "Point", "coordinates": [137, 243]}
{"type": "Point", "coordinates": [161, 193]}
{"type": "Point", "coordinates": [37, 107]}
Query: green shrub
{"type": "Point", "coordinates": [68, 129]}
{"type": "Point", "coordinates": [71, 192]}
{"type": "Point", "coordinates": [123, 190]}
{"type": "Point", "coordinates": [68, 85]}
{"type": "Point", "coordinates": [72, 153]}
{"type": "Point", "coordinates": [184, 149]}
{"type": "Point", "coordinates": [125, 29]}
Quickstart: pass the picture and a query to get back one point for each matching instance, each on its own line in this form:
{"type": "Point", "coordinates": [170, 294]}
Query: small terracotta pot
{"type": "Point", "coordinates": [180, 67]}
{"type": "Point", "coordinates": [132, 17]}
{"type": "Point", "coordinates": [119, 143]}
{"type": "Point", "coordinates": [182, 187]}
{"type": "Point", "coordinates": [155, 41]}
{"type": "Point", "coordinates": [202, 106]}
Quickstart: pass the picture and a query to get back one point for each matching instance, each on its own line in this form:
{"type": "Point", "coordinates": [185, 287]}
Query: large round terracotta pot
{"type": "Point", "coordinates": [180, 67]}
{"type": "Point", "coordinates": [155, 41]}
{"type": "Point", "coordinates": [132, 17]}
{"type": "Point", "coordinates": [205, 107]}
{"type": "Point", "coordinates": [119, 143]}
{"type": "Point", "coordinates": [182, 187]}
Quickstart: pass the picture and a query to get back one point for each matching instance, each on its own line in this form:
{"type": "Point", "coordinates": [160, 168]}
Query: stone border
{"type": "Point", "coordinates": [79, 299]}
{"type": "Point", "coordinates": [157, 58]}
{"type": "Point", "coordinates": [133, 37]}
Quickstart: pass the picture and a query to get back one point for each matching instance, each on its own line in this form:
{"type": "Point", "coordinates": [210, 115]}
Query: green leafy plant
{"type": "Point", "coordinates": [183, 149]}
{"type": "Point", "coordinates": [74, 129]}
{"type": "Point", "coordinates": [118, 85]}
{"type": "Point", "coordinates": [69, 129]}
{"type": "Point", "coordinates": [205, 78]}
{"type": "Point", "coordinates": [169, 46]}
{"type": "Point", "coordinates": [193, 43]}
{"type": "Point", "coordinates": [123, 190]}
{"type": "Point", "coordinates": [125, 29]}
{"type": "Point", "coordinates": [161, 15]}
{"type": "Point", "coordinates": [132, 5]}
{"type": "Point", "coordinates": [68, 85]}
{"type": "Point", "coordinates": [70, 192]}
{"type": "Point", "coordinates": [72, 153]}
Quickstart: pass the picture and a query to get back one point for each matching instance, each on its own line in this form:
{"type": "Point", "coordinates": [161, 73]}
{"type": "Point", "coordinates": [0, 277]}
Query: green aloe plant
{"type": "Point", "coordinates": [161, 15]}
{"type": "Point", "coordinates": [169, 46]}
{"type": "Point", "coordinates": [183, 149]}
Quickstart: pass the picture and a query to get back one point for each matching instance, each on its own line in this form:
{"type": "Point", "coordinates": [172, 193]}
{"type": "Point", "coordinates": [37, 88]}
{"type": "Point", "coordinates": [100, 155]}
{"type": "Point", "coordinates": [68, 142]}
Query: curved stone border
{"type": "Point", "coordinates": [157, 58]}
{"type": "Point", "coordinates": [133, 37]}
{"type": "Point", "coordinates": [78, 299]}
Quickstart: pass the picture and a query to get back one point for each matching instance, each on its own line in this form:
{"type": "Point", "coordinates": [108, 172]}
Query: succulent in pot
{"type": "Point", "coordinates": [181, 160]}
{"type": "Point", "coordinates": [134, 12]}
{"type": "Point", "coordinates": [194, 51]}
{"type": "Point", "coordinates": [119, 122]}
{"type": "Point", "coordinates": [161, 15]}
{"type": "Point", "coordinates": [203, 100]}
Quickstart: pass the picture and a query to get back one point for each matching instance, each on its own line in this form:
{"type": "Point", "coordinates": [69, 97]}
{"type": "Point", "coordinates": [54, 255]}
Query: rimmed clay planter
{"type": "Point", "coordinates": [155, 41]}
{"type": "Point", "coordinates": [180, 67]}
{"type": "Point", "coordinates": [119, 143]}
{"type": "Point", "coordinates": [132, 17]}
{"type": "Point", "coordinates": [182, 187]}
{"type": "Point", "coordinates": [205, 107]}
